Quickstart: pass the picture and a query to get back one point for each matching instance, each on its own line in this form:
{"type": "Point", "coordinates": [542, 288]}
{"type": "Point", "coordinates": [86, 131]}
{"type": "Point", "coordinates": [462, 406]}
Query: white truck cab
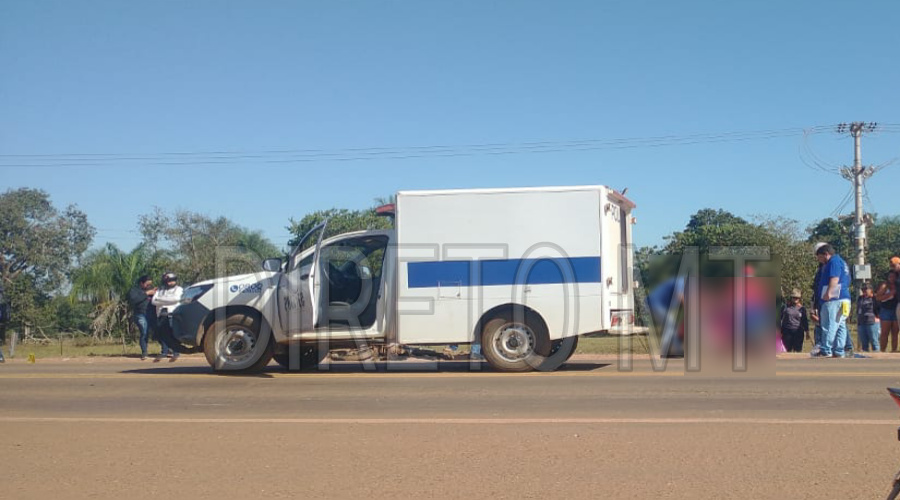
{"type": "Point", "coordinates": [522, 272]}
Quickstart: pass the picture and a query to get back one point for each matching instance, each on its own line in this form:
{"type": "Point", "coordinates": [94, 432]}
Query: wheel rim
{"type": "Point", "coordinates": [236, 345]}
{"type": "Point", "coordinates": [514, 342]}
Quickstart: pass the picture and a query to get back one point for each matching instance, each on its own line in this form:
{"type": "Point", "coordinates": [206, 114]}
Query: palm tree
{"type": "Point", "coordinates": [104, 280]}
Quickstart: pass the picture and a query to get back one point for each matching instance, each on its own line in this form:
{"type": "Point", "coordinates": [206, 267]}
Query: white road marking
{"type": "Point", "coordinates": [448, 421]}
{"type": "Point", "coordinates": [325, 375]}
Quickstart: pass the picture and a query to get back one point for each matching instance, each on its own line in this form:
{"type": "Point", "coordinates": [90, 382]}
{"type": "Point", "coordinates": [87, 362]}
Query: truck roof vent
{"type": "Point", "coordinates": [386, 210]}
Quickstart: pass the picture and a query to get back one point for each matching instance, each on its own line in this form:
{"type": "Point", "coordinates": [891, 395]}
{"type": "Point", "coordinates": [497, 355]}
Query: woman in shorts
{"type": "Point", "coordinates": [886, 295]}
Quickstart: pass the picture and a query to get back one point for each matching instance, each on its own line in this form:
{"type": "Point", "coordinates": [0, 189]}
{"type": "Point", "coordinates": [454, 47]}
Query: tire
{"type": "Point", "coordinates": [560, 352]}
{"type": "Point", "coordinates": [515, 344]}
{"type": "Point", "coordinates": [309, 358]}
{"type": "Point", "coordinates": [894, 491]}
{"type": "Point", "coordinates": [238, 344]}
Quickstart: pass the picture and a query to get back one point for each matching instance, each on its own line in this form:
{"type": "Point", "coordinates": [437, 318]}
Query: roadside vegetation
{"type": "Point", "coordinates": [65, 292]}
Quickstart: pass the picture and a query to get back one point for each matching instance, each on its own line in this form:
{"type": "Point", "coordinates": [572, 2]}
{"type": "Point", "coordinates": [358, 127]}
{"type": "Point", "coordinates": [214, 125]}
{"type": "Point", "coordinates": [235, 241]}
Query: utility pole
{"type": "Point", "coordinates": [858, 175]}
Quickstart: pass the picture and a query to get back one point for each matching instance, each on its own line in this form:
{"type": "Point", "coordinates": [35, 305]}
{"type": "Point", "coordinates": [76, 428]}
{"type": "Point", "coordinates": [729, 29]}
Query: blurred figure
{"type": "Point", "coordinates": [867, 325]}
{"type": "Point", "coordinates": [886, 295]}
{"type": "Point", "coordinates": [668, 293]}
{"type": "Point", "coordinates": [166, 300]}
{"type": "Point", "coordinates": [794, 323]}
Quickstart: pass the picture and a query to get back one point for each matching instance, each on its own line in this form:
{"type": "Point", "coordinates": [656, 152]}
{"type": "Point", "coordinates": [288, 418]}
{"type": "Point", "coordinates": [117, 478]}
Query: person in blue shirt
{"type": "Point", "coordinates": [833, 289]}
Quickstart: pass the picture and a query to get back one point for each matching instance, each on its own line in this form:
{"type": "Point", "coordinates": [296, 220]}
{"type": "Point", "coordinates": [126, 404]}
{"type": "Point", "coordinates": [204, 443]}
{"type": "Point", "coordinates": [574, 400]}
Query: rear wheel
{"type": "Point", "coordinates": [515, 342]}
{"type": "Point", "coordinates": [239, 344]}
{"type": "Point", "coordinates": [560, 352]}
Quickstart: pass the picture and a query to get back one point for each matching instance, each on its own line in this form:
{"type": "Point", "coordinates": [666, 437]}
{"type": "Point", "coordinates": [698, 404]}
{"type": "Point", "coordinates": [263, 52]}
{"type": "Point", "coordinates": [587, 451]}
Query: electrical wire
{"type": "Point", "coordinates": [844, 201]}
{"type": "Point", "coordinates": [185, 158]}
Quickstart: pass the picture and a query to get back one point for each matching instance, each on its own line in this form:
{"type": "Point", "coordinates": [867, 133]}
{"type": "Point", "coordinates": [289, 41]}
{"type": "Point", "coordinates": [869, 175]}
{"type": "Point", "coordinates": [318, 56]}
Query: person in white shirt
{"type": "Point", "coordinates": [166, 300]}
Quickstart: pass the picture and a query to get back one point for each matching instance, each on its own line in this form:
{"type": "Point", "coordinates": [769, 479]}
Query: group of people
{"type": "Point", "coordinates": [152, 308]}
{"type": "Point", "coordinates": [876, 310]}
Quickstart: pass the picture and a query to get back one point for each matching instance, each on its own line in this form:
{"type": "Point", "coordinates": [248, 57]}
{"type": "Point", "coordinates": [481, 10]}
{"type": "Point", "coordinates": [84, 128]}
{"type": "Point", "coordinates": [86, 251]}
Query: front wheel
{"type": "Point", "coordinates": [238, 344]}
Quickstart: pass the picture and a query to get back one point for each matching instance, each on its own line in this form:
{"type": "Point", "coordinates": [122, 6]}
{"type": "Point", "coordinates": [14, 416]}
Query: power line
{"type": "Point", "coordinates": [186, 158]}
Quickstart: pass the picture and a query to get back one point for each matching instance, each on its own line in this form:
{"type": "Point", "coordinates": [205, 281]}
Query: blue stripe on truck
{"type": "Point", "coordinates": [544, 271]}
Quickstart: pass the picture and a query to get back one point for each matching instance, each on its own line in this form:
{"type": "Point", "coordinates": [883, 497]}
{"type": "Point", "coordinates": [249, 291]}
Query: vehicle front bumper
{"type": "Point", "coordinates": [187, 323]}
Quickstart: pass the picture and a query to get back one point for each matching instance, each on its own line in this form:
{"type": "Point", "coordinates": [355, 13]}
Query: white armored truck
{"type": "Point", "coordinates": [522, 272]}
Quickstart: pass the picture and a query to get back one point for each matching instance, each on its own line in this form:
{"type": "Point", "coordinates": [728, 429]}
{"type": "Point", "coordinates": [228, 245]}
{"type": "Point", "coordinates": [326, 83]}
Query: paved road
{"type": "Point", "coordinates": [112, 428]}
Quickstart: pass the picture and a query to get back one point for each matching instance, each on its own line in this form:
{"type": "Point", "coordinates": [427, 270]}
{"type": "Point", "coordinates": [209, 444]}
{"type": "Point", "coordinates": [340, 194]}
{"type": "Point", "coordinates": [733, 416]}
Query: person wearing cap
{"type": "Point", "coordinates": [867, 325]}
{"type": "Point", "coordinates": [886, 298]}
{"type": "Point", "coordinates": [834, 291]}
{"type": "Point", "coordinates": [794, 323]}
{"type": "Point", "coordinates": [166, 300]}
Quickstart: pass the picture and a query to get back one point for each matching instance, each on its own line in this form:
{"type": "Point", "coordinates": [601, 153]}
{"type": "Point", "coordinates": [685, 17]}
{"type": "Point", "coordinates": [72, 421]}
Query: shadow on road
{"type": "Point", "coordinates": [410, 367]}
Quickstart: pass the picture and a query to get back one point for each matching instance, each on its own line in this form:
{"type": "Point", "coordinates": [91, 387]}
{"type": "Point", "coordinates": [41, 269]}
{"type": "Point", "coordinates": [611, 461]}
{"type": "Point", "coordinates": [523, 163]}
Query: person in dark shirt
{"type": "Point", "coordinates": [794, 323]}
{"type": "Point", "coordinates": [816, 303]}
{"type": "Point", "coordinates": [139, 298]}
{"type": "Point", "coordinates": [867, 325]}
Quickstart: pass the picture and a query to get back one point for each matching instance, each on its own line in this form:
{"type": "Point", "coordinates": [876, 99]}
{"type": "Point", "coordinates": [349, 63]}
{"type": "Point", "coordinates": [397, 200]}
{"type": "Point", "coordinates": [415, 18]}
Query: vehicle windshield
{"type": "Point", "coordinates": [305, 242]}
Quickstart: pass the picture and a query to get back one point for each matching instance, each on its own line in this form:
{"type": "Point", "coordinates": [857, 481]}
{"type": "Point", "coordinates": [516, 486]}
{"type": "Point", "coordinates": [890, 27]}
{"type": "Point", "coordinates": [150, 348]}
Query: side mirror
{"type": "Point", "coordinates": [273, 264]}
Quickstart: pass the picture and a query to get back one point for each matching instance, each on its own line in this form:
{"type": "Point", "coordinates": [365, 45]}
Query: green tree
{"type": "Point", "coordinates": [709, 217]}
{"type": "Point", "coordinates": [882, 244]}
{"type": "Point", "coordinates": [782, 237]}
{"type": "Point", "coordinates": [202, 247]}
{"type": "Point", "coordinates": [836, 232]}
{"type": "Point", "coordinates": [340, 220]}
{"type": "Point", "coordinates": [104, 280]}
{"type": "Point", "coordinates": [39, 246]}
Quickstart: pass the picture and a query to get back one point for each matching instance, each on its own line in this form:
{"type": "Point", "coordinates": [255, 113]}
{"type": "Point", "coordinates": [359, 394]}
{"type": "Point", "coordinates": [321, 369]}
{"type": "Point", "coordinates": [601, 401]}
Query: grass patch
{"type": "Point", "coordinates": [78, 348]}
{"type": "Point", "coordinates": [608, 344]}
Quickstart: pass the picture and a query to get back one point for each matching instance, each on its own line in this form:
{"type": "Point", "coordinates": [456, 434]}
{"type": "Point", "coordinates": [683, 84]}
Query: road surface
{"type": "Point", "coordinates": [114, 428]}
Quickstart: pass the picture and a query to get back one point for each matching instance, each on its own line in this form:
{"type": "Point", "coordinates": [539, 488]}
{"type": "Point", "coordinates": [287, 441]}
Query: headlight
{"type": "Point", "coordinates": [193, 293]}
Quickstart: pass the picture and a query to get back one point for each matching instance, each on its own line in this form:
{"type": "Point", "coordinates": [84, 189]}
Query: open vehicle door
{"type": "Point", "coordinates": [300, 285]}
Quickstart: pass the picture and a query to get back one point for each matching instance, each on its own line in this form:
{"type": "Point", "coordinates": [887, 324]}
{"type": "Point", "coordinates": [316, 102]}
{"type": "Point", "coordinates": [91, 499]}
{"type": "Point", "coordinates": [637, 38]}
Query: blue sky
{"type": "Point", "coordinates": [141, 79]}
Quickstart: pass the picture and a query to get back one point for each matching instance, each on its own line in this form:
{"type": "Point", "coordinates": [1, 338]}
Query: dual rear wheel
{"type": "Point", "coordinates": [519, 341]}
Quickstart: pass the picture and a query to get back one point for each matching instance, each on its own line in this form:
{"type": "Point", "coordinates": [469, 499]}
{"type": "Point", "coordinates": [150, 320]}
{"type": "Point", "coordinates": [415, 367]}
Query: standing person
{"type": "Point", "coordinates": [166, 300]}
{"type": "Point", "coordinates": [894, 264]}
{"type": "Point", "coordinates": [886, 295]}
{"type": "Point", "coordinates": [867, 325]}
{"type": "Point", "coordinates": [139, 298]}
{"type": "Point", "coordinates": [4, 319]}
{"type": "Point", "coordinates": [816, 304]}
{"type": "Point", "coordinates": [834, 290]}
{"type": "Point", "coordinates": [794, 323]}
